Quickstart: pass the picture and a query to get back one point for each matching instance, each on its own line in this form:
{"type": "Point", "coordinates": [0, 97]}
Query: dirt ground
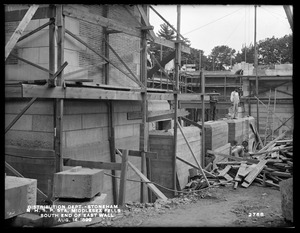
{"type": "Point", "coordinates": [221, 206]}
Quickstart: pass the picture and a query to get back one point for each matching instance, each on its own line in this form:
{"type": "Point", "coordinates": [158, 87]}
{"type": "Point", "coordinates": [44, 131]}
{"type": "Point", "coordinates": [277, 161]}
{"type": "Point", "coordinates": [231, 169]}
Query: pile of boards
{"type": "Point", "coordinates": [267, 168]}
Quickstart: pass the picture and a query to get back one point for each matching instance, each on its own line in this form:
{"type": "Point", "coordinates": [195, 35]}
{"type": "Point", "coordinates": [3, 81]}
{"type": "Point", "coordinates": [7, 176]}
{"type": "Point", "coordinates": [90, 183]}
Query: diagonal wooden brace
{"type": "Point", "coordinates": [51, 80]}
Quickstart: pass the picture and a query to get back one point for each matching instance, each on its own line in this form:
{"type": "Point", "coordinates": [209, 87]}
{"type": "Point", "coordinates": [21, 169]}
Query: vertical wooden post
{"type": "Point", "coordinates": [249, 97]}
{"type": "Point", "coordinates": [176, 92]}
{"type": "Point", "coordinates": [256, 67]}
{"type": "Point", "coordinates": [106, 49]}
{"type": "Point", "coordinates": [59, 103]}
{"type": "Point", "coordinates": [144, 109]}
{"type": "Point", "coordinates": [122, 193]}
{"type": "Point", "coordinates": [112, 147]}
{"type": "Point", "coordinates": [202, 159]}
{"type": "Point", "coordinates": [225, 84]}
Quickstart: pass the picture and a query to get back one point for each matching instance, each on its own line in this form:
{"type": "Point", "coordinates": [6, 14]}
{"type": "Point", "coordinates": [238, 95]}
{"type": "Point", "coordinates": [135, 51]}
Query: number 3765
{"type": "Point", "coordinates": [256, 214]}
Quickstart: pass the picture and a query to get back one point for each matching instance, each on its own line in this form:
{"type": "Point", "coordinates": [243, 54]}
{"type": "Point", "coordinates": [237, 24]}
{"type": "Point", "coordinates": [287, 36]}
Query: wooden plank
{"type": "Point", "coordinates": [254, 173]}
{"type": "Point", "coordinates": [122, 190]}
{"type": "Point", "coordinates": [191, 122]}
{"type": "Point", "coordinates": [150, 155]}
{"type": "Point", "coordinates": [272, 142]}
{"type": "Point", "coordinates": [126, 66]}
{"type": "Point", "coordinates": [20, 114]}
{"type": "Point", "coordinates": [35, 30]}
{"type": "Point", "coordinates": [254, 161]}
{"type": "Point", "coordinates": [146, 21]}
{"type": "Point", "coordinates": [166, 114]}
{"type": "Point", "coordinates": [32, 152]}
{"type": "Point", "coordinates": [92, 164]}
{"type": "Point", "coordinates": [208, 174]}
{"type": "Point", "coordinates": [71, 11]}
{"type": "Point", "coordinates": [18, 15]}
{"type": "Point", "coordinates": [19, 30]}
{"type": "Point", "coordinates": [153, 188]}
{"type": "Point", "coordinates": [246, 171]}
{"type": "Point", "coordinates": [171, 44]}
{"type": "Point", "coordinates": [224, 171]}
{"type": "Point", "coordinates": [242, 167]}
{"type": "Point", "coordinates": [12, 91]}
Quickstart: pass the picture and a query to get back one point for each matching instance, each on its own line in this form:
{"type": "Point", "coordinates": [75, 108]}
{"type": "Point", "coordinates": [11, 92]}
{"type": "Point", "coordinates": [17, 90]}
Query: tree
{"type": "Point", "coordinates": [275, 50]}
{"type": "Point", "coordinates": [222, 57]}
{"type": "Point", "coordinates": [249, 54]}
{"type": "Point", "coordinates": [166, 32]}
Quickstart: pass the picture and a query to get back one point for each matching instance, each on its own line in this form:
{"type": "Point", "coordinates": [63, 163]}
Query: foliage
{"type": "Point", "coordinates": [222, 57]}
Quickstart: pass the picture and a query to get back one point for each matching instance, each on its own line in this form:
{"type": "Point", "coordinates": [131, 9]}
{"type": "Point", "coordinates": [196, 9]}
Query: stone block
{"type": "Point", "coordinates": [24, 123]}
{"type": "Point", "coordinates": [19, 193]}
{"type": "Point", "coordinates": [72, 122]}
{"type": "Point", "coordinates": [42, 123]}
{"type": "Point", "coordinates": [87, 136]}
{"type": "Point", "coordinates": [81, 183]}
{"type": "Point", "coordinates": [286, 190]}
{"type": "Point", "coordinates": [94, 120]}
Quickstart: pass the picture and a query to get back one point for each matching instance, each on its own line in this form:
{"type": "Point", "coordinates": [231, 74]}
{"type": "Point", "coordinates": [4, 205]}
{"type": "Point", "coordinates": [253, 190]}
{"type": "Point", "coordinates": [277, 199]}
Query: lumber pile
{"type": "Point", "coordinates": [267, 168]}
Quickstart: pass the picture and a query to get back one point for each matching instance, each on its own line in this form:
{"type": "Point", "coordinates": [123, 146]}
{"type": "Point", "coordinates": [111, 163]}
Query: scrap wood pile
{"type": "Point", "coordinates": [267, 167]}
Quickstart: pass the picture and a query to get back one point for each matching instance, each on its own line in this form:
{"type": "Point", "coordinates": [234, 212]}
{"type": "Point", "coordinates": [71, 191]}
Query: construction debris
{"type": "Point", "coordinates": [267, 168]}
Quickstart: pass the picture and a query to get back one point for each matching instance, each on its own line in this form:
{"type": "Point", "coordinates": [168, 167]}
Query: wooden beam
{"type": "Point", "coordinates": [144, 129]}
{"type": "Point", "coordinates": [122, 190]}
{"type": "Point", "coordinates": [253, 174]}
{"type": "Point", "coordinates": [289, 15]}
{"type": "Point", "coordinates": [20, 114]}
{"type": "Point", "coordinates": [59, 103]}
{"type": "Point", "coordinates": [145, 20]}
{"type": "Point", "coordinates": [71, 11]}
{"type": "Point", "coordinates": [166, 22]}
{"type": "Point", "coordinates": [126, 66]}
{"type": "Point", "coordinates": [52, 78]}
{"type": "Point", "coordinates": [272, 142]}
{"type": "Point", "coordinates": [150, 155]}
{"type": "Point", "coordinates": [203, 149]}
{"type": "Point", "coordinates": [30, 63]}
{"type": "Point", "coordinates": [191, 122]}
{"type": "Point", "coordinates": [284, 92]}
{"type": "Point", "coordinates": [92, 164]}
{"type": "Point", "coordinates": [112, 147]}
{"type": "Point", "coordinates": [171, 44]}
{"type": "Point", "coordinates": [190, 148]}
{"type": "Point", "coordinates": [194, 166]}
{"type": "Point", "coordinates": [18, 15]}
{"type": "Point", "coordinates": [35, 30]}
{"type": "Point", "coordinates": [19, 30]}
{"type": "Point", "coordinates": [153, 188]}
{"type": "Point", "coordinates": [166, 114]}
{"type": "Point", "coordinates": [270, 110]}
{"type": "Point", "coordinates": [162, 63]}
{"type": "Point", "coordinates": [254, 161]}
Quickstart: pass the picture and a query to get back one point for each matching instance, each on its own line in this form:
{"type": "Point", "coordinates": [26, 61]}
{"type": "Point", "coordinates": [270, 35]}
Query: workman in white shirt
{"type": "Point", "coordinates": [235, 99]}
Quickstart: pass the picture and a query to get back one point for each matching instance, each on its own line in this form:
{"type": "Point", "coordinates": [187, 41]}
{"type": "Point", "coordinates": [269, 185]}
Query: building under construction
{"type": "Point", "coordinates": [83, 116]}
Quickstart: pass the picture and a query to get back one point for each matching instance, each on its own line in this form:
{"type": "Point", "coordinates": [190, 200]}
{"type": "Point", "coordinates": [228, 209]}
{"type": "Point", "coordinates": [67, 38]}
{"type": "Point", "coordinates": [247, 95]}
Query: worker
{"type": "Point", "coordinates": [213, 105]}
{"type": "Point", "coordinates": [235, 99]}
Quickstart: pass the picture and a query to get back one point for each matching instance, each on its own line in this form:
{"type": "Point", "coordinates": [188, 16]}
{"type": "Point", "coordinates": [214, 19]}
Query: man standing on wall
{"type": "Point", "coordinates": [235, 99]}
{"type": "Point", "coordinates": [213, 105]}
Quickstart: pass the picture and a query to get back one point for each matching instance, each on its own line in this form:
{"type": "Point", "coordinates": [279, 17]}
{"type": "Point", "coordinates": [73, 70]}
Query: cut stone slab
{"type": "Point", "coordinates": [78, 183]}
{"type": "Point", "coordinates": [19, 194]}
{"type": "Point", "coordinates": [286, 190]}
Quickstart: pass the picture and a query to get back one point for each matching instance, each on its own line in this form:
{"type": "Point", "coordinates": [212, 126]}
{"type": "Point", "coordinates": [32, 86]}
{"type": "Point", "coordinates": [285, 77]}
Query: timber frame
{"type": "Point", "coordinates": [58, 88]}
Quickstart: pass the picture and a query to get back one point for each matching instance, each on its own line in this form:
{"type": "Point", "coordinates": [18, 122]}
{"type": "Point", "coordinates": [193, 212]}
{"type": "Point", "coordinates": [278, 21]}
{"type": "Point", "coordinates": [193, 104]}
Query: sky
{"type": "Point", "coordinates": [207, 26]}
